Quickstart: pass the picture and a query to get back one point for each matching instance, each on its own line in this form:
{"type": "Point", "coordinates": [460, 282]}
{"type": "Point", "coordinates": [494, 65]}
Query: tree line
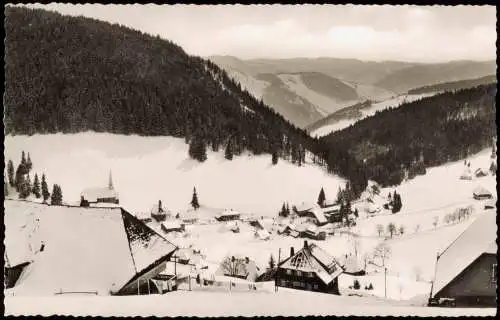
{"type": "Point", "coordinates": [20, 181]}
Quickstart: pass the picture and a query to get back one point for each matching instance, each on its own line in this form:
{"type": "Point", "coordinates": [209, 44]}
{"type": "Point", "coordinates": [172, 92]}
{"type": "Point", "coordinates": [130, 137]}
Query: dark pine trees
{"type": "Point", "coordinates": [321, 198]}
{"type": "Point", "coordinates": [10, 173]}
{"type": "Point", "coordinates": [36, 187]}
{"type": "Point", "coordinates": [57, 196]}
{"type": "Point", "coordinates": [194, 200]}
{"type": "Point", "coordinates": [45, 189]}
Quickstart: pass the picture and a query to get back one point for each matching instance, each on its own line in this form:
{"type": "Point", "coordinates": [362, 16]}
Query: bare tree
{"type": "Point", "coordinates": [401, 229]}
{"type": "Point", "coordinates": [233, 266]}
{"type": "Point", "coordinates": [380, 229]}
{"type": "Point", "coordinates": [382, 251]}
{"type": "Point", "coordinates": [418, 273]}
{"type": "Point", "coordinates": [417, 228]}
{"type": "Point", "coordinates": [435, 222]}
{"type": "Point", "coordinates": [391, 228]}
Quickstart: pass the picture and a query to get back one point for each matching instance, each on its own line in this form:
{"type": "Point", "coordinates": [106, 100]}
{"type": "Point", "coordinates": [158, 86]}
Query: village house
{"type": "Point", "coordinates": [466, 271]}
{"type": "Point", "coordinates": [481, 193]}
{"type": "Point", "coordinates": [311, 268]}
{"type": "Point", "coordinates": [189, 217]}
{"type": "Point", "coordinates": [490, 204]}
{"type": "Point", "coordinates": [238, 267]}
{"type": "Point", "coordinates": [101, 251]}
{"type": "Point", "coordinates": [172, 226]}
{"type": "Point", "coordinates": [228, 215]}
{"type": "Point", "coordinates": [159, 214]}
{"type": "Point", "coordinates": [480, 173]}
{"type": "Point", "coordinates": [99, 195]}
{"type": "Point", "coordinates": [303, 208]}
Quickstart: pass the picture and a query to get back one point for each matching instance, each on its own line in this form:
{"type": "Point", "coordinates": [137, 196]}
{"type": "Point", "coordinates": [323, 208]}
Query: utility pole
{"type": "Point", "coordinates": [385, 281]}
{"type": "Point", "coordinates": [276, 278]}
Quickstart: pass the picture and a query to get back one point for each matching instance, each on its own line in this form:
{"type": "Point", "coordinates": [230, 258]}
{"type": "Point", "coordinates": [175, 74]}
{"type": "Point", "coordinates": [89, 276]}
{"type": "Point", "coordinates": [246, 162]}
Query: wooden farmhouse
{"type": "Point", "coordinates": [228, 215]}
{"type": "Point", "coordinates": [311, 268]}
{"type": "Point", "coordinates": [98, 251]}
{"type": "Point", "coordinates": [466, 271]}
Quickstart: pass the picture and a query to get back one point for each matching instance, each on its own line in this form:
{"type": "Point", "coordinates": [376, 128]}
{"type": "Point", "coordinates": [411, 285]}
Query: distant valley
{"type": "Point", "coordinates": [305, 91]}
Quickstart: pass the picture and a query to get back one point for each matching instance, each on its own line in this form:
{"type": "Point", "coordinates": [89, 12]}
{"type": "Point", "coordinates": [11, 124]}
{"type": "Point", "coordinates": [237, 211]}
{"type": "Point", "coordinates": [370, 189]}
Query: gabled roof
{"type": "Point", "coordinates": [479, 191]}
{"type": "Point", "coordinates": [478, 238]}
{"type": "Point", "coordinates": [228, 213]}
{"type": "Point", "coordinates": [304, 206]}
{"type": "Point", "coordinates": [314, 259]}
{"type": "Point", "coordinates": [171, 224]}
{"type": "Point", "coordinates": [92, 194]}
{"type": "Point", "coordinates": [318, 214]}
{"type": "Point", "coordinates": [92, 249]}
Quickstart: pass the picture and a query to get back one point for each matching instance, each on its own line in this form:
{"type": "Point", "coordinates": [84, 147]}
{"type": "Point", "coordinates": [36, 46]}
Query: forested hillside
{"type": "Point", "coordinates": [427, 132]}
{"type": "Point", "coordinates": [73, 74]}
{"type": "Point", "coordinates": [455, 85]}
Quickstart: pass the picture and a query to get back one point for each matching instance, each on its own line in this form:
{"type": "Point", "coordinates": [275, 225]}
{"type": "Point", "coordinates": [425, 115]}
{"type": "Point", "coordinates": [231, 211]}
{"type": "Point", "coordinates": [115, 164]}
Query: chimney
{"type": "Point", "coordinates": [305, 244]}
{"type": "Point", "coordinates": [292, 252]}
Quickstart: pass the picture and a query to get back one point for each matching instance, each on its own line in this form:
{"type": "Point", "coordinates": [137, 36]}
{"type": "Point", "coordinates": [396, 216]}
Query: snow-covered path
{"type": "Point", "coordinates": [213, 304]}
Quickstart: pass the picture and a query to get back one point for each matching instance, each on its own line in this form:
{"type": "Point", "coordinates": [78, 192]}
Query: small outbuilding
{"type": "Point", "coordinates": [481, 193]}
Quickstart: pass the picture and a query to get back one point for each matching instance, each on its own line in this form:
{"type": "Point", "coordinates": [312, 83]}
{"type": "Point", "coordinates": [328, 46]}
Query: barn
{"type": "Point", "coordinates": [466, 270]}
{"type": "Point", "coordinates": [311, 268]}
{"type": "Point", "coordinates": [98, 251]}
{"type": "Point", "coordinates": [481, 193]}
{"type": "Point", "coordinates": [228, 215]}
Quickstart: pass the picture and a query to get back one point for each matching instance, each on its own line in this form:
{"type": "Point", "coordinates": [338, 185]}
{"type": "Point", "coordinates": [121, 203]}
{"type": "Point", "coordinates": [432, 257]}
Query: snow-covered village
{"type": "Point", "coordinates": [244, 211]}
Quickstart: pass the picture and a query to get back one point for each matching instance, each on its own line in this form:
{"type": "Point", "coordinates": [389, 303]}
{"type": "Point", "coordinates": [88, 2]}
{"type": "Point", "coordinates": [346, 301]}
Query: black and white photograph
{"type": "Point", "coordinates": [172, 160]}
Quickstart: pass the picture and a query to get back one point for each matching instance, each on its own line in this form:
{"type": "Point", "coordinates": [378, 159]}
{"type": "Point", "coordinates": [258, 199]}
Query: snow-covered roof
{"type": "Point", "coordinates": [91, 249]}
{"type": "Point", "coordinates": [491, 203]}
{"type": "Point", "coordinates": [481, 191]}
{"type": "Point", "coordinates": [478, 238]}
{"type": "Point", "coordinates": [92, 194]}
{"type": "Point", "coordinates": [330, 209]}
{"type": "Point", "coordinates": [240, 268]}
{"type": "Point", "coordinates": [104, 205]}
{"type": "Point", "coordinates": [318, 214]}
{"type": "Point", "coordinates": [188, 216]}
{"type": "Point", "coordinates": [304, 206]}
{"type": "Point", "coordinates": [228, 213]}
{"type": "Point", "coordinates": [314, 259]}
{"type": "Point", "coordinates": [263, 234]}
{"type": "Point", "coordinates": [171, 224]}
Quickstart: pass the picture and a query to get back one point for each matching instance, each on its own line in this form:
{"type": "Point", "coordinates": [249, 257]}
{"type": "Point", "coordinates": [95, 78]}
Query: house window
{"type": "Point", "coordinates": [316, 287]}
{"type": "Point", "coordinates": [494, 273]}
{"type": "Point", "coordinates": [283, 283]}
{"type": "Point", "coordinates": [299, 273]}
{"type": "Point", "coordinates": [310, 275]}
{"type": "Point", "coordinates": [289, 272]}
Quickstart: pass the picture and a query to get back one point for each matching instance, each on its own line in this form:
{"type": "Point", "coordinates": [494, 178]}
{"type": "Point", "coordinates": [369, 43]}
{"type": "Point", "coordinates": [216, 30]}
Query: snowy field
{"type": "Point", "coordinates": [379, 106]}
{"type": "Point", "coordinates": [213, 304]}
{"type": "Point", "coordinates": [147, 169]}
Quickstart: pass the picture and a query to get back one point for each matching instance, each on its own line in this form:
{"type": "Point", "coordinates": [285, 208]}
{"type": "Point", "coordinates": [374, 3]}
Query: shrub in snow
{"type": "Point", "coordinates": [356, 284]}
{"type": "Point", "coordinates": [370, 287]}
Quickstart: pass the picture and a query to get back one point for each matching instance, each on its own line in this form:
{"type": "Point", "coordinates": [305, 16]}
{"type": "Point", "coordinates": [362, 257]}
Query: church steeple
{"type": "Point", "coordinates": [110, 183]}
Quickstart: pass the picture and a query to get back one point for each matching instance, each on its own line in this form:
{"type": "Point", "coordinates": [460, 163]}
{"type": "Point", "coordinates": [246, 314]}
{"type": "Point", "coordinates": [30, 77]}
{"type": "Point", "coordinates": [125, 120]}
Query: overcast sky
{"type": "Point", "coordinates": [409, 33]}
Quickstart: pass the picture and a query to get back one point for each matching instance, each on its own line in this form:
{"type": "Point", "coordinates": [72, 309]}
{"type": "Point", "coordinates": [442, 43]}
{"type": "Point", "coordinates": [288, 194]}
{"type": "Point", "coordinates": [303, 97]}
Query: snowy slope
{"type": "Point", "coordinates": [218, 304]}
{"type": "Point", "coordinates": [146, 169]}
{"type": "Point", "coordinates": [379, 106]}
{"type": "Point", "coordinates": [324, 105]}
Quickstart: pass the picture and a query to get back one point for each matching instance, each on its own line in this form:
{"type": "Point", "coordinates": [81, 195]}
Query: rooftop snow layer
{"type": "Point", "coordinates": [479, 238]}
{"type": "Point", "coordinates": [86, 249]}
{"type": "Point", "coordinates": [92, 194]}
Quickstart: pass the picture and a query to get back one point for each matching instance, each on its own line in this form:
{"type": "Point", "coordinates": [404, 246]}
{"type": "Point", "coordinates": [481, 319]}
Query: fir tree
{"type": "Point", "coordinates": [228, 154]}
{"type": "Point", "coordinates": [23, 164]}
{"type": "Point", "coordinates": [194, 200]}
{"type": "Point", "coordinates": [45, 189]}
{"type": "Point", "coordinates": [272, 263]}
{"type": "Point", "coordinates": [36, 187]}
{"type": "Point", "coordinates": [340, 197]}
{"type": "Point", "coordinates": [57, 197]}
{"type": "Point", "coordinates": [321, 198]}
{"type": "Point", "coordinates": [275, 158]}
{"type": "Point", "coordinates": [24, 187]}
{"type": "Point", "coordinates": [29, 164]}
{"type": "Point", "coordinates": [287, 210]}
{"type": "Point", "coordinates": [19, 181]}
{"type": "Point", "coordinates": [10, 173]}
